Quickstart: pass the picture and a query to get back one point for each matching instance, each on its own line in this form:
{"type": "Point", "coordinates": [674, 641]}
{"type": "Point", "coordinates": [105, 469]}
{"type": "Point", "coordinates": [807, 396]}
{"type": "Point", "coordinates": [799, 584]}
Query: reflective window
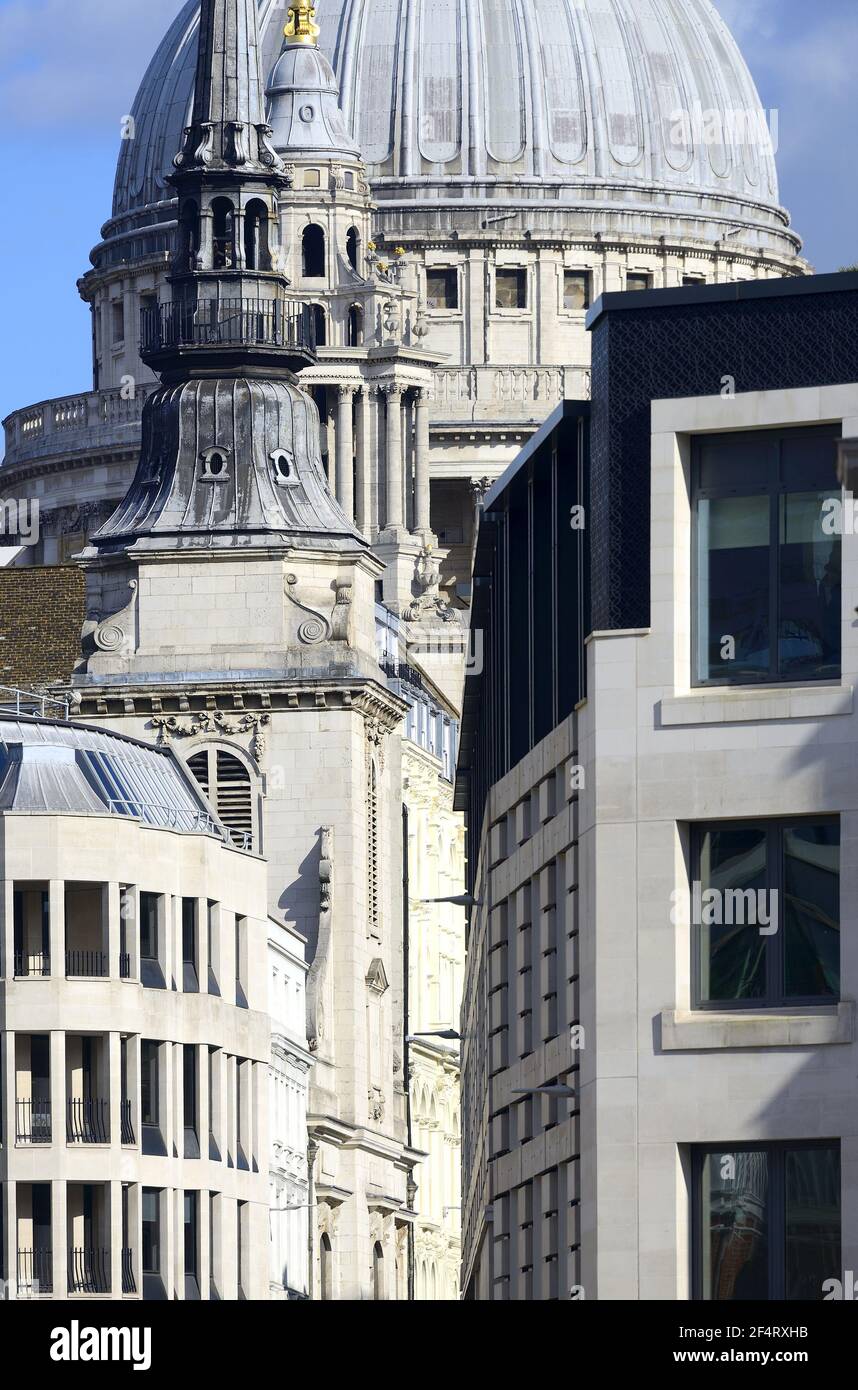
{"type": "Point", "coordinates": [765, 912]}
{"type": "Point", "coordinates": [766, 1222]}
{"type": "Point", "coordinates": [576, 289]}
{"type": "Point", "coordinates": [767, 561]}
{"type": "Point", "coordinates": [442, 288]}
{"type": "Point", "coordinates": [511, 289]}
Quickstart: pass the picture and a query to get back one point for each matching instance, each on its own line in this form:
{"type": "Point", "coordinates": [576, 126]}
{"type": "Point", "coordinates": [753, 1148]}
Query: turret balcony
{"type": "Point", "coordinates": [211, 334]}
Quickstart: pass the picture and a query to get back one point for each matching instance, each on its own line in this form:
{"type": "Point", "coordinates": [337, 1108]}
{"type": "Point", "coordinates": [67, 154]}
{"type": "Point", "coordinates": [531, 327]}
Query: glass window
{"type": "Point", "coordinates": [576, 289]}
{"type": "Point", "coordinates": [511, 289]}
{"type": "Point", "coordinates": [192, 1245]}
{"type": "Point", "coordinates": [151, 1231]}
{"type": "Point", "coordinates": [190, 975]}
{"type": "Point", "coordinates": [766, 1222]}
{"type": "Point", "coordinates": [189, 1100]}
{"type": "Point", "coordinates": [149, 1106]}
{"type": "Point", "coordinates": [442, 288]}
{"type": "Point", "coordinates": [766, 912]}
{"type": "Point", "coordinates": [635, 281]}
{"type": "Point", "coordinates": [767, 567]}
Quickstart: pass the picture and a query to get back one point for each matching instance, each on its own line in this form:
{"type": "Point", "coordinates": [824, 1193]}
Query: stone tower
{"type": "Point", "coordinates": [231, 609]}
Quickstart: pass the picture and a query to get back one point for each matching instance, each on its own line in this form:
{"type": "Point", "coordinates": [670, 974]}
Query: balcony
{"type": "Point", "coordinates": [86, 965]}
{"type": "Point", "coordinates": [490, 393]}
{"type": "Point", "coordinates": [93, 420]}
{"type": "Point", "coordinates": [29, 965]}
{"type": "Point", "coordinates": [129, 1283]}
{"type": "Point", "coordinates": [35, 1272]}
{"type": "Point", "coordinates": [127, 1122]}
{"type": "Point", "coordinates": [32, 1122]}
{"type": "Point", "coordinates": [88, 1122]}
{"type": "Point", "coordinates": [229, 323]}
{"type": "Point", "coordinates": [89, 1271]}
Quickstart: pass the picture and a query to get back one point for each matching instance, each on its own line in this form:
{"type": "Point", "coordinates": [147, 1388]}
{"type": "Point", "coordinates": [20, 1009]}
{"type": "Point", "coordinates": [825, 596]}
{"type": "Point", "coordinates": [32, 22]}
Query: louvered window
{"type": "Point", "coordinates": [227, 783]}
{"type": "Point", "coordinates": [372, 852]}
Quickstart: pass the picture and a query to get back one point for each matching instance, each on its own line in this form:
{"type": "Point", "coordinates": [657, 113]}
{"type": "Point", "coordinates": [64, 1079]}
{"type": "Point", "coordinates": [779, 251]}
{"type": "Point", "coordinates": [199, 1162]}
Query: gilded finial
{"type": "Point", "coordinates": [301, 26]}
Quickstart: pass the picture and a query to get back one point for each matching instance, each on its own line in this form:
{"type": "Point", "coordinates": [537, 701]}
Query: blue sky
{"type": "Point", "coordinates": [69, 70]}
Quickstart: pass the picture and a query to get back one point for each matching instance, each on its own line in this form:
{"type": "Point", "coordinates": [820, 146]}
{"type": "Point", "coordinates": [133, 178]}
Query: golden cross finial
{"type": "Point", "coordinates": [301, 26]}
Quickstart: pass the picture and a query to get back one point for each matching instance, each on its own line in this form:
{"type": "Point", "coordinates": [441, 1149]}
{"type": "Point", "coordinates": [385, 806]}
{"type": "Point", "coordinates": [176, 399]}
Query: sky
{"type": "Point", "coordinates": [69, 70]}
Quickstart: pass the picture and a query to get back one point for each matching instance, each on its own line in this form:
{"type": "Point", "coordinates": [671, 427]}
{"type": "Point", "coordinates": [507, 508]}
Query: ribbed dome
{"type": "Point", "coordinates": [584, 94]}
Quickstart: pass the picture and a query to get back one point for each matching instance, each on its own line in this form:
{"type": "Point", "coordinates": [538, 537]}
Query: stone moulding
{"type": "Point", "coordinates": [373, 701]}
{"type": "Point", "coordinates": [214, 722]}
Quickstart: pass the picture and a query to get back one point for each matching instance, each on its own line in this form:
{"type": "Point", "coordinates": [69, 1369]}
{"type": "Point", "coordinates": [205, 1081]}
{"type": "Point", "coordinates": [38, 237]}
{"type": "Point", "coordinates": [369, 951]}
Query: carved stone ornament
{"type": "Point", "coordinates": [316, 627]}
{"type": "Point", "coordinates": [116, 634]}
{"type": "Point", "coordinates": [376, 977]}
{"type": "Point", "coordinates": [214, 722]}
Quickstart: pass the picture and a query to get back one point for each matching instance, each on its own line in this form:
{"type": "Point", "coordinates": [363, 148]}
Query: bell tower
{"type": "Point", "coordinates": [231, 610]}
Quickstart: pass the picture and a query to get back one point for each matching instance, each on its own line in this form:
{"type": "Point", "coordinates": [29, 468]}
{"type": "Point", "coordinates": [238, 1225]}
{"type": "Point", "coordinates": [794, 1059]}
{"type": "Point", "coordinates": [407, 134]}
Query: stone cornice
{"type": "Point", "coordinates": [372, 701]}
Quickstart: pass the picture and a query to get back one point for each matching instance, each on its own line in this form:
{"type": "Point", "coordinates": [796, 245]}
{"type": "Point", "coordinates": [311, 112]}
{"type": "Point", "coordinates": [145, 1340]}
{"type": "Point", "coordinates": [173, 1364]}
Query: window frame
{"type": "Point", "coordinates": [774, 828]}
{"type": "Point", "coordinates": [586, 273]}
{"type": "Point", "coordinates": [449, 271]}
{"type": "Point", "coordinates": [774, 491]}
{"type": "Point", "coordinates": [776, 1150]}
{"type": "Point", "coordinates": [520, 270]}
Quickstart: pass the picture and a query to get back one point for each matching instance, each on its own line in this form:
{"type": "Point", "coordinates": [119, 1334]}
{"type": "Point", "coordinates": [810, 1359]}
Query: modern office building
{"type": "Point", "coordinates": [134, 1025]}
{"type": "Point", "coordinates": [658, 768]}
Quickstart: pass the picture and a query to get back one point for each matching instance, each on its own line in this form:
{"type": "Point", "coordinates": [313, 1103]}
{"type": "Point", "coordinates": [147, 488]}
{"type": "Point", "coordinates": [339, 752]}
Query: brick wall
{"type": "Point", "coordinates": [41, 615]}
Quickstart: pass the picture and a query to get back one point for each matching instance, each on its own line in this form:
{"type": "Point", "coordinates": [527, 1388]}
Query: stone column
{"type": "Point", "coordinates": [114, 1063]}
{"type": "Point", "coordinates": [345, 451]}
{"type": "Point", "coordinates": [57, 927]}
{"type": "Point", "coordinates": [58, 1088]}
{"type": "Point", "coordinates": [363, 499]}
{"type": "Point", "coordinates": [394, 520]}
{"type": "Point", "coordinates": [115, 1240]}
{"type": "Point", "coordinates": [7, 930]}
{"type": "Point", "coordinates": [59, 1234]}
{"type": "Point", "coordinates": [422, 515]}
{"type": "Point", "coordinates": [112, 909]}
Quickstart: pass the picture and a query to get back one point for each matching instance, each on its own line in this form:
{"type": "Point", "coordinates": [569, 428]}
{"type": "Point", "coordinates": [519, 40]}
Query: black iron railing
{"type": "Point", "coordinates": [89, 1271]}
{"type": "Point", "coordinates": [228, 323]}
{"type": "Point", "coordinates": [88, 1122]}
{"type": "Point", "coordinates": [128, 1136]}
{"type": "Point", "coordinates": [87, 964]}
{"type": "Point", "coordinates": [33, 1122]}
{"type": "Point", "coordinates": [125, 966]}
{"type": "Point", "coordinates": [35, 1271]}
{"type": "Point", "coordinates": [129, 1283]}
{"type": "Point", "coordinates": [31, 963]}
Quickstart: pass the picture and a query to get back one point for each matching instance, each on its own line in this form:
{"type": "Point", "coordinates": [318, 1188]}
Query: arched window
{"type": "Point", "coordinates": [257, 253]}
{"type": "Point", "coordinates": [326, 1262]}
{"type": "Point", "coordinates": [223, 234]}
{"type": "Point", "coordinates": [352, 246]}
{"type": "Point", "coordinates": [226, 781]}
{"type": "Point", "coordinates": [189, 235]}
{"type": "Point", "coordinates": [378, 1271]}
{"type": "Point", "coordinates": [355, 326]}
{"type": "Point", "coordinates": [313, 252]}
{"type": "Point", "coordinates": [320, 325]}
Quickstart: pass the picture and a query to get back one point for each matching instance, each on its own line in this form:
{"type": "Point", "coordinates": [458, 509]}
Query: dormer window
{"type": "Point", "coordinates": [284, 467]}
{"type": "Point", "coordinates": [215, 467]}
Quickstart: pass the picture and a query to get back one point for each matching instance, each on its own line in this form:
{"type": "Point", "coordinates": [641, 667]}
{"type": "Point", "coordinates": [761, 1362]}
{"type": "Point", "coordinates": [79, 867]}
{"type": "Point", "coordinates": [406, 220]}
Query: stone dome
{"type": "Point", "coordinates": [499, 99]}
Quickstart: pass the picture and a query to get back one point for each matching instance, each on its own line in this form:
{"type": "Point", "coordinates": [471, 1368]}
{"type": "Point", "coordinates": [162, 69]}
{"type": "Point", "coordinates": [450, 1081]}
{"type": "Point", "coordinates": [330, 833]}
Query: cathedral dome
{"type": "Point", "coordinates": [597, 103]}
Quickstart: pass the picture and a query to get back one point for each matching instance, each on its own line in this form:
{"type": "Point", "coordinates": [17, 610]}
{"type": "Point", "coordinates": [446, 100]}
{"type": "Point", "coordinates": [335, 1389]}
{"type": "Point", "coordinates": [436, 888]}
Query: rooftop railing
{"type": "Point", "coordinates": [14, 701]}
{"type": "Point", "coordinates": [228, 323]}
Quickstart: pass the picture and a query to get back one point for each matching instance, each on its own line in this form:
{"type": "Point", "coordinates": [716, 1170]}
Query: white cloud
{"type": "Point", "coordinates": [75, 63]}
